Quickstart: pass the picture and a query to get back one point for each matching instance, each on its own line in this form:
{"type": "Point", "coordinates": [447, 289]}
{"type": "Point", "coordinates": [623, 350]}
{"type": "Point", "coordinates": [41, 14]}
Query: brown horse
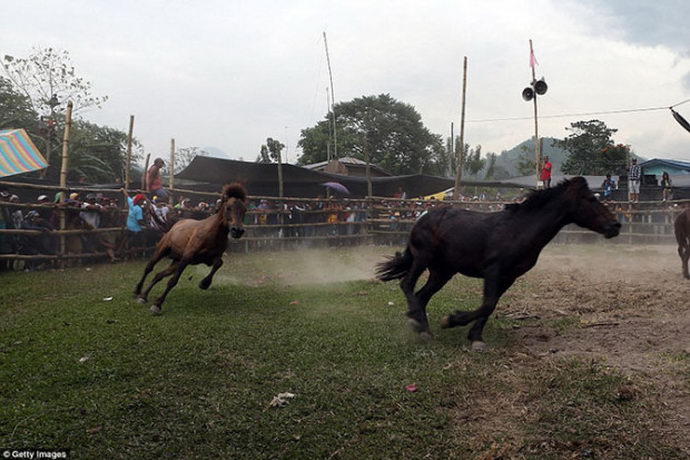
{"type": "Point", "coordinates": [192, 242]}
{"type": "Point", "coordinates": [496, 246]}
{"type": "Point", "coordinates": [682, 229]}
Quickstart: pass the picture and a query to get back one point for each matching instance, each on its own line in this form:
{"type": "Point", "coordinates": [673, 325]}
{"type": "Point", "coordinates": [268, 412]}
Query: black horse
{"type": "Point", "coordinates": [498, 246]}
{"type": "Point", "coordinates": [682, 230]}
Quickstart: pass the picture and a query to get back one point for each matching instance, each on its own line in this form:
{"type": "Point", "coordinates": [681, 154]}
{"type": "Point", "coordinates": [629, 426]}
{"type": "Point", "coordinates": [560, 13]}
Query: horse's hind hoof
{"type": "Point", "coordinates": [141, 300]}
{"type": "Point", "coordinates": [203, 285]}
{"type": "Point", "coordinates": [155, 310]}
{"type": "Point", "coordinates": [479, 346]}
{"type": "Point", "coordinates": [445, 322]}
{"type": "Point", "coordinates": [415, 325]}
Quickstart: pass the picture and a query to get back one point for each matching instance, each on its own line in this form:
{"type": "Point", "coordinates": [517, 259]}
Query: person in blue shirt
{"type": "Point", "coordinates": [135, 218]}
{"type": "Point", "coordinates": [608, 185]}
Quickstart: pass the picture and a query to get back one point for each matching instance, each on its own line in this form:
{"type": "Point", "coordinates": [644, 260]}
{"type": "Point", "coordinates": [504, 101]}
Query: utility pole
{"type": "Point", "coordinates": [328, 146]}
{"type": "Point", "coordinates": [330, 75]}
{"type": "Point", "coordinates": [537, 149]}
{"type": "Point", "coordinates": [129, 151]}
{"type": "Point", "coordinates": [461, 156]}
{"type": "Point", "coordinates": [451, 151]}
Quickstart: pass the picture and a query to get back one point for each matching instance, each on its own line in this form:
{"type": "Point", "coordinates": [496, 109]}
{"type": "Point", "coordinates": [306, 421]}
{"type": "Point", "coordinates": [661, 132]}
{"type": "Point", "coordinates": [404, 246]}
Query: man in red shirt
{"type": "Point", "coordinates": [546, 173]}
{"type": "Point", "coordinates": [154, 184]}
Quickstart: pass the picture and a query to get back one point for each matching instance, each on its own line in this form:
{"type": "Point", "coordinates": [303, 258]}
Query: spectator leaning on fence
{"type": "Point", "coordinates": [634, 175]}
{"type": "Point", "coordinates": [608, 186]}
{"type": "Point", "coordinates": [135, 217]}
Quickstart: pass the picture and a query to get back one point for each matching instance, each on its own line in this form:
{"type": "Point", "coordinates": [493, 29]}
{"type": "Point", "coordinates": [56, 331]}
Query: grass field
{"type": "Point", "coordinates": [107, 378]}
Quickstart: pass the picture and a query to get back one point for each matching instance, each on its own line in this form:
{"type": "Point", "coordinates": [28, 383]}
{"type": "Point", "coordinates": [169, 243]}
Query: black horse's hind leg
{"type": "Point", "coordinates": [494, 287]}
{"type": "Point", "coordinates": [159, 276]}
{"type": "Point", "coordinates": [684, 253]}
{"type": "Point", "coordinates": [206, 282]}
{"type": "Point", "coordinates": [414, 312]}
{"type": "Point", "coordinates": [437, 279]}
{"type": "Point", "coordinates": [149, 268]}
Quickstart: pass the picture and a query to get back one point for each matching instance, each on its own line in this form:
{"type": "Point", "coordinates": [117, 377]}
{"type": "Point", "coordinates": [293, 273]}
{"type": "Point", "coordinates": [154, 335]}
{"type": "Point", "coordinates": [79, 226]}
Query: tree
{"type": "Point", "coordinates": [98, 154]}
{"type": "Point", "coordinates": [15, 109]}
{"type": "Point", "coordinates": [270, 151]}
{"type": "Point", "coordinates": [389, 131]}
{"type": "Point", "coordinates": [48, 81]}
{"type": "Point", "coordinates": [473, 162]}
{"type": "Point", "coordinates": [526, 165]}
{"type": "Point", "coordinates": [185, 155]}
{"type": "Point", "coordinates": [592, 151]}
{"type": "Point", "coordinates": [490, 165]}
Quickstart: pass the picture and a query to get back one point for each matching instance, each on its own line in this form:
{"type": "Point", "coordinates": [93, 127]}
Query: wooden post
{"type": "Point", "coordinates": [63, 172]}
{"type": "Point", "coordinates": [461, 156]}
{"type": "Point", "coordinates": [129, 152]}
{"type": "Point", "coordinates": [370, 192]}
{"type": "Point", "coordinates": [280, 175]}
{"type": "Point", "coordinates": [537, 150]}
{"type": "Point", "coordinates": [171, 170]}
{"type": "Point", "coordinates": [452, 148]}
{"type": "Point", "coordinates": [145, 176]}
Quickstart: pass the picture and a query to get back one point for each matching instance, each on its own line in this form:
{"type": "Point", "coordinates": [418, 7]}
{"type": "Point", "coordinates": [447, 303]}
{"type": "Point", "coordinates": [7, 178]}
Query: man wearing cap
{"type": "Point", "coordinates": [135, 217]}
{"type": "Point", "coordinates": [154, 184]}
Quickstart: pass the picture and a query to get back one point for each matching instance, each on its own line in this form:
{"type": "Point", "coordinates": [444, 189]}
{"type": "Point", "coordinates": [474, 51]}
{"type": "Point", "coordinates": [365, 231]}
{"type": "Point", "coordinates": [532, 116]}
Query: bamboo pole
{"type": "Point", "coordinates": [537, 149]}
{"type": "Point", "coordinates": [63, 172]}
{"type": "Point", "coordinates": [171, 170]}
{"type": "Point", "coordinates": [129, 152]}
{"type": "Point", "coordinates": [280, 174]}
{"type": "Point", "coordinates": [461, 156]}
{"type": "Point", "coordinates": [145, 176]}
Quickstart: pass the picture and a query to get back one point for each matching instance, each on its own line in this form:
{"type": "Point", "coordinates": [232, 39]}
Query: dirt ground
{"type": "Point", "coordinates": [633, 310]}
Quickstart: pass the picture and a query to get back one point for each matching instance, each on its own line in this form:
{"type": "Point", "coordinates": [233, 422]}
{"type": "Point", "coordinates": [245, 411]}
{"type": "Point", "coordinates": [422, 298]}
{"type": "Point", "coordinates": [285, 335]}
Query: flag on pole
{"type": "Point", "coordinates": [532, 59]}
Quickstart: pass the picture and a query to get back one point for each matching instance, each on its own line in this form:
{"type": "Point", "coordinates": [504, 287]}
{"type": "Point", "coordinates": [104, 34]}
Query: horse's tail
{"type": "Point", "coordinates": [395, 267]}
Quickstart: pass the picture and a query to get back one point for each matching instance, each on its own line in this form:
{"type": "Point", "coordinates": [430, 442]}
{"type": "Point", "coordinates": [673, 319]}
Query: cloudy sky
{"type": "Point", "coordinates": [228, 73]}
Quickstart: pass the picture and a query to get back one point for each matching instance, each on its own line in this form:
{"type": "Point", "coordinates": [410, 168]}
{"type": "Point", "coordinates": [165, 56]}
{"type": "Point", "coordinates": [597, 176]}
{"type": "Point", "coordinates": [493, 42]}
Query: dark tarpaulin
{"type": "Point", "coordinates": [261, 179]}
{"type": "Point", "coordinates": [681, 121]}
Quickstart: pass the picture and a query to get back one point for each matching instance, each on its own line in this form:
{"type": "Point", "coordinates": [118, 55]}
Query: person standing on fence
{"type": "Point", "coordinates": [545, 176]}
{"type": "Point", "coordinates": [154, 184]}
{"type": "Point", "coordinates": [666, 187]}
{"type": "Point", "coordinates": [634, 175]}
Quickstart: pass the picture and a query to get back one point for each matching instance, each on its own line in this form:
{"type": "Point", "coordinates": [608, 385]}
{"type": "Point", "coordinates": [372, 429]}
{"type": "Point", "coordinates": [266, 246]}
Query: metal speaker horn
{"type": "Point", "coordinates": [540, 86]}
{"type": "Point", "coordinates": [528, 94]}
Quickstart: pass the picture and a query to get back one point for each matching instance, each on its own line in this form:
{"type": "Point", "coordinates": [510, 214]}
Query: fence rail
{"type": "Point", "coordinates": [294, 222]}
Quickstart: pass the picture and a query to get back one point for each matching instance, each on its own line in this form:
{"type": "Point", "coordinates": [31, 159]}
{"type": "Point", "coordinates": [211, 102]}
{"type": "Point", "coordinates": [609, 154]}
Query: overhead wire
{"type": "Point", "coordinates": [582, 114]}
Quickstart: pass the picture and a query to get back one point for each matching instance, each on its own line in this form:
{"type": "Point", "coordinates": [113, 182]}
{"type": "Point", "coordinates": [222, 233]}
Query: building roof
{"type": "Point", "coordinates": [347, 161]}
{"type": "Point", "coordinates": [666, 162]}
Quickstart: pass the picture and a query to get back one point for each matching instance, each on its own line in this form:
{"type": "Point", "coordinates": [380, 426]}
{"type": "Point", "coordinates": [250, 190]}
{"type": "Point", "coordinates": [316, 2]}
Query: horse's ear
{"type": "Point", "coordinates": [579, 182]}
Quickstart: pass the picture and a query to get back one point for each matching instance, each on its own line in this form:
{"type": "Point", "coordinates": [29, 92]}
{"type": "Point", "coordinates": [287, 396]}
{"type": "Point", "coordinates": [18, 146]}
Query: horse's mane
{"type": "Point", "coordinates": [537, 199]}
{"type": "Point", "coordinates": [234, 190]}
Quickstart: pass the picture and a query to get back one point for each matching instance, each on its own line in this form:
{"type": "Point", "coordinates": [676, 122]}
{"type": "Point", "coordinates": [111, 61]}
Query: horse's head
{"type": "Point", "coordinates": [586, 210]}
{"type": "Point", "coordinates": [233, 207]}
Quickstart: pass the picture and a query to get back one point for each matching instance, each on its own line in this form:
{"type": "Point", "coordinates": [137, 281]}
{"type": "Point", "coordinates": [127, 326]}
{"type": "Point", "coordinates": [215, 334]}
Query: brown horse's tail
{"type": "Point", "coordinates": [395, 267]}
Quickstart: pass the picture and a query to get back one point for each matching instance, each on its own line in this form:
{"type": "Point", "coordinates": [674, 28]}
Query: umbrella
{"type": "Point", "coordinates": [18, 154]}
{"type": "Point", "coordinates": [338, 187]}
{"type": "Point", "coordinates": [682, 121]}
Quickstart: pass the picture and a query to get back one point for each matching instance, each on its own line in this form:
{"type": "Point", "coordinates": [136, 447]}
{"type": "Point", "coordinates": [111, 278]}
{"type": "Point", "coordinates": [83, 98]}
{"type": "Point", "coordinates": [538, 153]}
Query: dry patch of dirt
{"type": "Point", "coordinates": [628, 307]}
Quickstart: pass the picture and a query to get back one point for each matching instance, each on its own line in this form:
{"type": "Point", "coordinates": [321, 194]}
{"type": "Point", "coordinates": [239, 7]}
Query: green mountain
{"type": "Point", "coordinates": [507, 161]}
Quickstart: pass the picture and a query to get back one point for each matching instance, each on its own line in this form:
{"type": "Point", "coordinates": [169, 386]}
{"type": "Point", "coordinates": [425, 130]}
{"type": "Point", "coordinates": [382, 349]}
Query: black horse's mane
{"type": "Point", "coordinates": [537, 199]}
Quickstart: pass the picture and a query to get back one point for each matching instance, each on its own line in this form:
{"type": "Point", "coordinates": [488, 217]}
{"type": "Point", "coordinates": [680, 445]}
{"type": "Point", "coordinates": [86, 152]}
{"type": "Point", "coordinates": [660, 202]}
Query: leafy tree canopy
{"type": "Point", "coordinates": [592, 151]}
{"type": "Point", "coordinates": [270, 151]}
{"type": "Point", "coordinates": [390, 131]}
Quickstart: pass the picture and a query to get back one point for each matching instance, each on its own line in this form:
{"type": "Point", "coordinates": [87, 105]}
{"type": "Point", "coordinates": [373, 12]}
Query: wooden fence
{"type": "Point", "coordinates": [289, 223]}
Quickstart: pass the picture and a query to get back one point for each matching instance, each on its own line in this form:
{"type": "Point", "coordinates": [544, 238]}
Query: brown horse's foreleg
{"type": "Point", "coordinates": [156, 307]}
{"type": "Point", "coordinates": [417, 317]}
{"type": "Point", "coordinates": [206, 282]}
{"type": "Point", "coordinates": [159, 276]}
{"type": "Point", "coordinates": [159, 254]}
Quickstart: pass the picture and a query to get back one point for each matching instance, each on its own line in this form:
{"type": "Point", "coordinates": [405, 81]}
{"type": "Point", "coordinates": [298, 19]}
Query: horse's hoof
{"type": "Point", "coordinates": [203, 285]}
{"type": "Point", "coordinates": [155, 310]}
{"type": "Point", "coordinates": [445, 322]}
{"type": "Point", "coordinates": [479, 346]}
{"type": "Point", "coordinates": [415, 325]}
{"type": "Point", "coordinates": [426, 336]}
{"type": "Point", "coordinates": [141, 300]}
